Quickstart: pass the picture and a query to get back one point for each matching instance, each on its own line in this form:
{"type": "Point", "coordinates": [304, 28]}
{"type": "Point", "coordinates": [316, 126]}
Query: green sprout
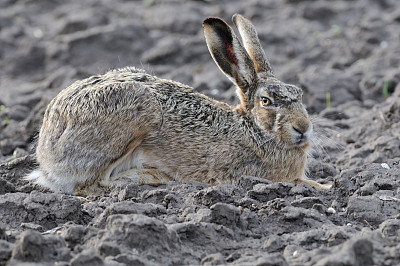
{"type": "Point", "coordinates": [328, 100]}
{"type": "Point", "coordinates": [385, 90]}
{"type": "Point", "coordinates": [336, 29]}
{"type": "Point", "coordinates": [5, 118]}
{"type": "Point", "coordinates": [148, 3]}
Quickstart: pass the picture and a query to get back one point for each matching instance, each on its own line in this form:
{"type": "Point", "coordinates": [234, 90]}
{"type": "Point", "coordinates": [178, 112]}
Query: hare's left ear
{"type": "Point", "coordinates": [231, 58]}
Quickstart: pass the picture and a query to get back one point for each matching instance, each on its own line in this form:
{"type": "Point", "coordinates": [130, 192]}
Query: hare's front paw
{"type": "Point", "coordinates": [312, 183]}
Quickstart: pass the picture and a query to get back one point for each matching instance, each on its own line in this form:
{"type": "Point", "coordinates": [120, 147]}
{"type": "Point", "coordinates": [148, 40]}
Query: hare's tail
{"type": "Point", "coordinates": [38, 177]}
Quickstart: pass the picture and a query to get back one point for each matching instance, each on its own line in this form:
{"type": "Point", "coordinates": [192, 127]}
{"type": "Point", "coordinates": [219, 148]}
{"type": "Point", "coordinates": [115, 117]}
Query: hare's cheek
{"type": "Point", "coordinates": [267, 119]}
{"type": "Point", "coordinates": [284, 133]}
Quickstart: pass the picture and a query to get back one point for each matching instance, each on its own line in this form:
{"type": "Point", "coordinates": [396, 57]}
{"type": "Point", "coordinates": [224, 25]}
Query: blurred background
{"type": "Point", "coordinates": [337, 51]}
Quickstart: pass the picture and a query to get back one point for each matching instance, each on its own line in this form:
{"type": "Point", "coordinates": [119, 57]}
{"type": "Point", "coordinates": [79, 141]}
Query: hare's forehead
{"type": "Point", "coordinates": [282, 92]}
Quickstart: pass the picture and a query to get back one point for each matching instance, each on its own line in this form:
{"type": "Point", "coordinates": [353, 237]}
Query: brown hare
{"type": "Point", "coordinates": [127, 123]}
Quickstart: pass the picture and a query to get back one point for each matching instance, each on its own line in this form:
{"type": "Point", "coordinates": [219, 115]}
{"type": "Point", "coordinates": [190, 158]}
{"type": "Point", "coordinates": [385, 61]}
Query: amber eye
{"type": "Point", "coordinates": [265, 101]}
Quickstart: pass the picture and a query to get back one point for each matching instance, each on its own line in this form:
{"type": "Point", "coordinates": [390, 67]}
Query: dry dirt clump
{"type": "Point", "coordinates": [346, 49]}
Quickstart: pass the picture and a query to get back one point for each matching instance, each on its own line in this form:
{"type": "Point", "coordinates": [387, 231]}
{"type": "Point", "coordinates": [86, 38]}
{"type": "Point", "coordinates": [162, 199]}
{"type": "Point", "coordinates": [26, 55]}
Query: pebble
{"type": "Point", "coordinates": [385, 165]}
{"type": "Point", "coordinates": [331, 210]}
{"type": "Point", "coordinates": [383, 44]}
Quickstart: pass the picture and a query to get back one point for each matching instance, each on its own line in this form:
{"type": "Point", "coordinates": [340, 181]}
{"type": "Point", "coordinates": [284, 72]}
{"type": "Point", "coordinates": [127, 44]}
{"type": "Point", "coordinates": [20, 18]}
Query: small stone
{"type": "Point", "coordinates": [331, 210]}
{"type": "Point", "coordinates": [18, 153]}
{"type": "Point", "coordinates": [385, 165]}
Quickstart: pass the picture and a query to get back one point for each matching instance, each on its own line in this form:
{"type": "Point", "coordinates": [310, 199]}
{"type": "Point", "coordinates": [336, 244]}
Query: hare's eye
{"type": "Point", "coordinates": [265, 101]}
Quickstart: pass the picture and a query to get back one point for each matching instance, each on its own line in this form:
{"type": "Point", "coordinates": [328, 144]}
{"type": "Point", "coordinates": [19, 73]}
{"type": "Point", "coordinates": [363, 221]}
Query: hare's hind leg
{"type": "Point", "coordinates": [312, 183]}
{"type": "Point", "coordinates": [146, 176]}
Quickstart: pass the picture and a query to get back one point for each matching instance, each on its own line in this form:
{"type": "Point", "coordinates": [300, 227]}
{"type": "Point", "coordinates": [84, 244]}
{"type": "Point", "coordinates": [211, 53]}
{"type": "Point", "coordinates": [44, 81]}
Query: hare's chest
{"type": "Point", "coordinates": [286, 166]}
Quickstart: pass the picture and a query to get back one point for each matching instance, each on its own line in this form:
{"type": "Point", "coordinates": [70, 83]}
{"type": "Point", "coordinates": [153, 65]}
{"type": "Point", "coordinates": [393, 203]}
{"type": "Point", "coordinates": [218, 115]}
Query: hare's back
{"type": "Point", "coordinates": [93, 121]}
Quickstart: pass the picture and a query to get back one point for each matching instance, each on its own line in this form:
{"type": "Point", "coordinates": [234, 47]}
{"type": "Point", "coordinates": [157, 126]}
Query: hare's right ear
{"type": "Point", "coordinates": [231, 58]}
{"type": "Point", "coordinates": [252, 44]}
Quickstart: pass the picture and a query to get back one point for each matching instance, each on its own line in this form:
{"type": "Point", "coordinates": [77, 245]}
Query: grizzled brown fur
{"type": "Point", "coordinates": [127, 123]}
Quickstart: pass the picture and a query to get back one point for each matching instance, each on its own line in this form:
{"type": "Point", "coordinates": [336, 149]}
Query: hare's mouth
{"type": "Point", "coordinates": [300, 139]}
{"type": "Point", "coordinates": [302, 142]}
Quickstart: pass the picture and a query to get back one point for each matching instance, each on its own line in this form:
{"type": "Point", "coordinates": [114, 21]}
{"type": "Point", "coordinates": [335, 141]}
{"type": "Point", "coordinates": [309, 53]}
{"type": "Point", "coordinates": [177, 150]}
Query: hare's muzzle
{"type": "Point", "coordinates": [301, 132]}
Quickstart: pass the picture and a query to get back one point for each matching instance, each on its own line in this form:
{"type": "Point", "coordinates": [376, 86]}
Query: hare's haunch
{"type": "Point", "coordinates": [127, 123]}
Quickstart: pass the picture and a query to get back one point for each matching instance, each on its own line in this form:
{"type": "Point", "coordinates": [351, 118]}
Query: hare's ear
{"type": "Point", "coordinates": [231, 57]}
{"type": "Point", "coordinates": [252, 44]}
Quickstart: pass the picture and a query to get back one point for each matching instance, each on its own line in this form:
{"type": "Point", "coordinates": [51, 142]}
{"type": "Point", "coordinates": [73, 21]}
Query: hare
{"type": "Point", "coordinates": [127, 123]}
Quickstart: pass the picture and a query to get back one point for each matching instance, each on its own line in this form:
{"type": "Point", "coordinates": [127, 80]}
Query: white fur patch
{"type": "Point", "coordinates": [276, 122]}
{"type": "Point", "coordinates": [63, 185]}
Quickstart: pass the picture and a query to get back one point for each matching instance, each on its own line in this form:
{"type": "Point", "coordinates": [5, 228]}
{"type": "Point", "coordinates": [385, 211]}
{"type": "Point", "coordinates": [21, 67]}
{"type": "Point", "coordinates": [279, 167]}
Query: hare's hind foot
{"type": "Point", "coordinates": [312, 183]}
{"type": "Point", "coordinates": [146, 176]}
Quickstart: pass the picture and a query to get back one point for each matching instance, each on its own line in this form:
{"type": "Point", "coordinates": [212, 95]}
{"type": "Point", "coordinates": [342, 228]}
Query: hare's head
{"type": "Point", "coordinates": [276, 107]}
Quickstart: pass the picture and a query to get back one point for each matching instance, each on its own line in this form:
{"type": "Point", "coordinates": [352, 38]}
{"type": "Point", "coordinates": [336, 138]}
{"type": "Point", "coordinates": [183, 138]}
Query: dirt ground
{"type": "Point", "coordinates": [346, 49]}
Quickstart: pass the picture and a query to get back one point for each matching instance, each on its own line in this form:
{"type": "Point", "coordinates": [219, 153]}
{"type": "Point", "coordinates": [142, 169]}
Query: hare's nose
{"type": "Point", "coordinates": [299, 135]}
{"type": "Point", "coordinates": [302, 127]}
{"type": "Point", "coordinates": [298, 131]}
{"type": "Point", "coordinates": [301, 132]}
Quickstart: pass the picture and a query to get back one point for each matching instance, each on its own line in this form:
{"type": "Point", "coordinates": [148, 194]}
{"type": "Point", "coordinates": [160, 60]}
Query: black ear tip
{"type": "Point", "coordinates": [213, 21]}
{"type": "Point", "coordinates": [210, 20]}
